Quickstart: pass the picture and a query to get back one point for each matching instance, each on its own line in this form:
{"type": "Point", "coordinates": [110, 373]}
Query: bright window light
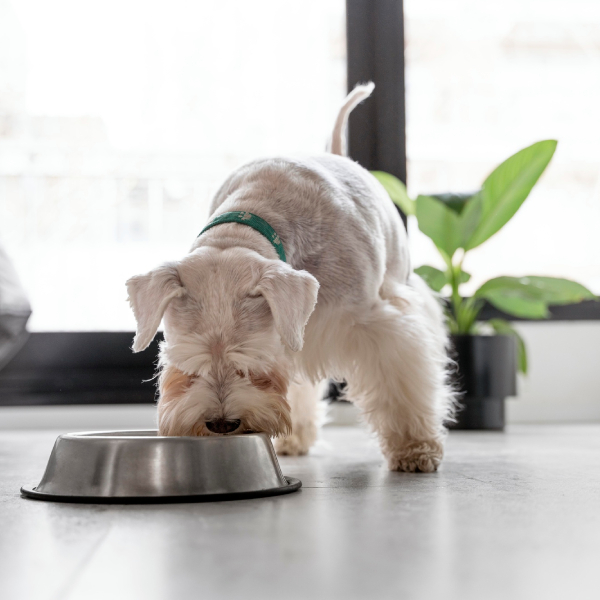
{"type": "Point", "coordinates": [485, 79]}
{"type": "Point", "coordinates": [120, 119]}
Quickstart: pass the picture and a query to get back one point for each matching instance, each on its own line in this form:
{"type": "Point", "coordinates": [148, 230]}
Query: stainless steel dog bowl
{"type": "Point", "coordinates": [141, 466]}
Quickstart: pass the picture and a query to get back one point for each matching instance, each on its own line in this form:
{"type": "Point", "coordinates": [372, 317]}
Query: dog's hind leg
{"type": "Point", "coordinates": [304, 399]}
{"type": "Point", "coordinates": [397, 376]}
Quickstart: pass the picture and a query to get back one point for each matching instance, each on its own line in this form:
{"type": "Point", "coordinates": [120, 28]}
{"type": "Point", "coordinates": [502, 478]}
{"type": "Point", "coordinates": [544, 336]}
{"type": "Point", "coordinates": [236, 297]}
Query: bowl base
{"type": "Point", "coordinates": [293, 485]}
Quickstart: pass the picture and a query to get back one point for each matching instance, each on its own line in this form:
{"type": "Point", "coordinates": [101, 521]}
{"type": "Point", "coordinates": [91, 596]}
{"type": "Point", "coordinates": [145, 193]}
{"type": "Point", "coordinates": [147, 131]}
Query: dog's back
{"type": "Point", "coordinates": [335, 220]}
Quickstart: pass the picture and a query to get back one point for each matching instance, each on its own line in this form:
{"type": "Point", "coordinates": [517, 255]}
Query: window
{"type": "Point", "coordinates": [483, 80]}
{"type": "Point", "coordinates": [119, 120]}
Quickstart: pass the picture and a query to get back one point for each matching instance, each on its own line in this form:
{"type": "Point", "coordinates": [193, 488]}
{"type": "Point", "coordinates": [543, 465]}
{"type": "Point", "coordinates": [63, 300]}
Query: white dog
{"type": "Point", "coordinates": [305, 276]}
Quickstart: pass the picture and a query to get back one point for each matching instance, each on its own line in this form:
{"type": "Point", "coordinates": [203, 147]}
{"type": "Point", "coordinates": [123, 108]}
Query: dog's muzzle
{"type": "Point", "coordinates": [222, 426]}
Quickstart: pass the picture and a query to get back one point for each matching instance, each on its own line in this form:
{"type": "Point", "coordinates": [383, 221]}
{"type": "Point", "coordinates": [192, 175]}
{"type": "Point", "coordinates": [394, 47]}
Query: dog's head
{"type": "Point", "coordinates": [232, 319]}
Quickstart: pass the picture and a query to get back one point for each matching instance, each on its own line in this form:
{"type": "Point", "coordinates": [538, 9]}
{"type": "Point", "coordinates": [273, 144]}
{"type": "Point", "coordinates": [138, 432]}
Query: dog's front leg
{"type": "Point", "coordinates": [398, 380]}
{"type": "Point", "coordinates": [304, 399]}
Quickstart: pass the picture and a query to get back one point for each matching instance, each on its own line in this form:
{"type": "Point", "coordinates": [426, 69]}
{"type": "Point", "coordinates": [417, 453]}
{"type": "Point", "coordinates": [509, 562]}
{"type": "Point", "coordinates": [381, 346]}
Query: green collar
{"type": "Point", "coordinates": [246, 218]}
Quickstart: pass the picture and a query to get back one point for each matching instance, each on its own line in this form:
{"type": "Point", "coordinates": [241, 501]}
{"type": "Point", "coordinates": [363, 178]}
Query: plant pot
{"type": "Point", "coordinates": [486, 374]}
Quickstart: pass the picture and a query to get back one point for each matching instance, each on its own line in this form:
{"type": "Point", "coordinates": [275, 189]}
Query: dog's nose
{"type": "Point", "coordinates": [222, 426]}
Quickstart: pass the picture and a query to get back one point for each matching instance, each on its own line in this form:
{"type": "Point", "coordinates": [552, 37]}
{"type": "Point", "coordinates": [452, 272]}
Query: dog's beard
{"type": "Point", "coordinates": [257, 400]}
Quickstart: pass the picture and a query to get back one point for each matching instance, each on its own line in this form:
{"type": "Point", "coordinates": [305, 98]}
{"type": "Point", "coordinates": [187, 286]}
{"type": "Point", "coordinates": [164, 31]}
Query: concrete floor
{"type": "Point", "coordinates": [510, 516]}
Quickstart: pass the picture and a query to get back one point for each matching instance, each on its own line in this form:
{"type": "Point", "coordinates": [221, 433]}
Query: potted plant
{"type": "Point", "coordinates": [487, 353]}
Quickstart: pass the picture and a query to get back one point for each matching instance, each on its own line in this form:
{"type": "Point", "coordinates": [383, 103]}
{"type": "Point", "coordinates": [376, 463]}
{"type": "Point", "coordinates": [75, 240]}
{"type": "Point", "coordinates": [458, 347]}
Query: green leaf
{"type": "Point", "coordinates": [434, 278]}
{"type": "Point", "coordinates": [470, 218]}
{"type": "Point", "coordinates": [509, 284]}
{"type": "Point", "coordinates": [396, 191]}
{"type": "Point", "coordinates": [507, 187]}
{"type": "Point", "coordinates": [525, 308]}
{"type": "Point", "coordinates": [463, 277]}
{"type": "Point", "coordinates": [554, 290]}
{"type": "Point", "coordinates": [530, 296]}
{"type": "Point", "coordinates": [514, 296]}
{"type": "Point", "coordinates": [454, 201]}
{"type": "Point", "coordinates": [503, 327]}
{"type": "Point", "coordinates": [439, 223]}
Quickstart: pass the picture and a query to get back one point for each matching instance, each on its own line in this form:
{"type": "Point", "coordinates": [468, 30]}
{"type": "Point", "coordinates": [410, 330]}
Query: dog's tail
{"type": "Point", "coordinates": [355, 97]}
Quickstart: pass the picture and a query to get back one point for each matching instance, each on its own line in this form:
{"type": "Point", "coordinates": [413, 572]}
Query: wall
{"type": "Point", "coordinates": [564, 379]}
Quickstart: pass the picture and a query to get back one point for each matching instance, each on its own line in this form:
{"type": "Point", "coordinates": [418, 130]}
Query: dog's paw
{"type": "Point", "coordinates": [417, 457]}
{"type": "Point", "coordinates": [298, 443]}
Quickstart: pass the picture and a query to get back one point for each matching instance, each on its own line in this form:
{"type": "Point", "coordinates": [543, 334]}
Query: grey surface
{"type": "Point", "coordinates": [513, 515]}
{"type": "Point", "coordinates": [110, 465]}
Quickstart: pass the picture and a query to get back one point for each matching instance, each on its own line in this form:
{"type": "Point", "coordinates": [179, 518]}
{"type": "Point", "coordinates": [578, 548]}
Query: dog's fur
{"type": "Point", "coordinates": [246, 339]}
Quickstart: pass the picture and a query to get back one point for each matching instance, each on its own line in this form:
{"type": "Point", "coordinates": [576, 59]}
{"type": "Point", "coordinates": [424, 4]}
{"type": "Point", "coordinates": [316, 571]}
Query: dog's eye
{"type": "Point", "coordinates": [272, 381]}
{"type": "Point", "coordinates": [262, 382]}
{"type": "Point", "coordinates": [173, 383]}
{"type": "Point", "coordinates": [190, 376]}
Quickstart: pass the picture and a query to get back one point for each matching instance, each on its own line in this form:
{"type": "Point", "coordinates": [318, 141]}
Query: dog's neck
{"type": "Point", "coordinates": [233, 235]}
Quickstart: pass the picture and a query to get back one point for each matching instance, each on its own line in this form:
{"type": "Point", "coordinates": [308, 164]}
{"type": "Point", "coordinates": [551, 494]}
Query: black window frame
{"type": "Point", "coordinates": [68, 368]}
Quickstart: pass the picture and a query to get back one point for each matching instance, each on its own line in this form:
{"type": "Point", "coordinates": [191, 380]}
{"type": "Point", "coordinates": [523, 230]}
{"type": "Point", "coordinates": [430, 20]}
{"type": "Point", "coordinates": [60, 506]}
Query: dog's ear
{"type": "Point", "coordinates": [291, 296]}
{"type": "Point", "coordinates": [149, 296]}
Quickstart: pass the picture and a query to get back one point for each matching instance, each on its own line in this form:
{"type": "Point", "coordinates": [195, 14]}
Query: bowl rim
{"type": "Point", "coordinates": [135, 434]}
